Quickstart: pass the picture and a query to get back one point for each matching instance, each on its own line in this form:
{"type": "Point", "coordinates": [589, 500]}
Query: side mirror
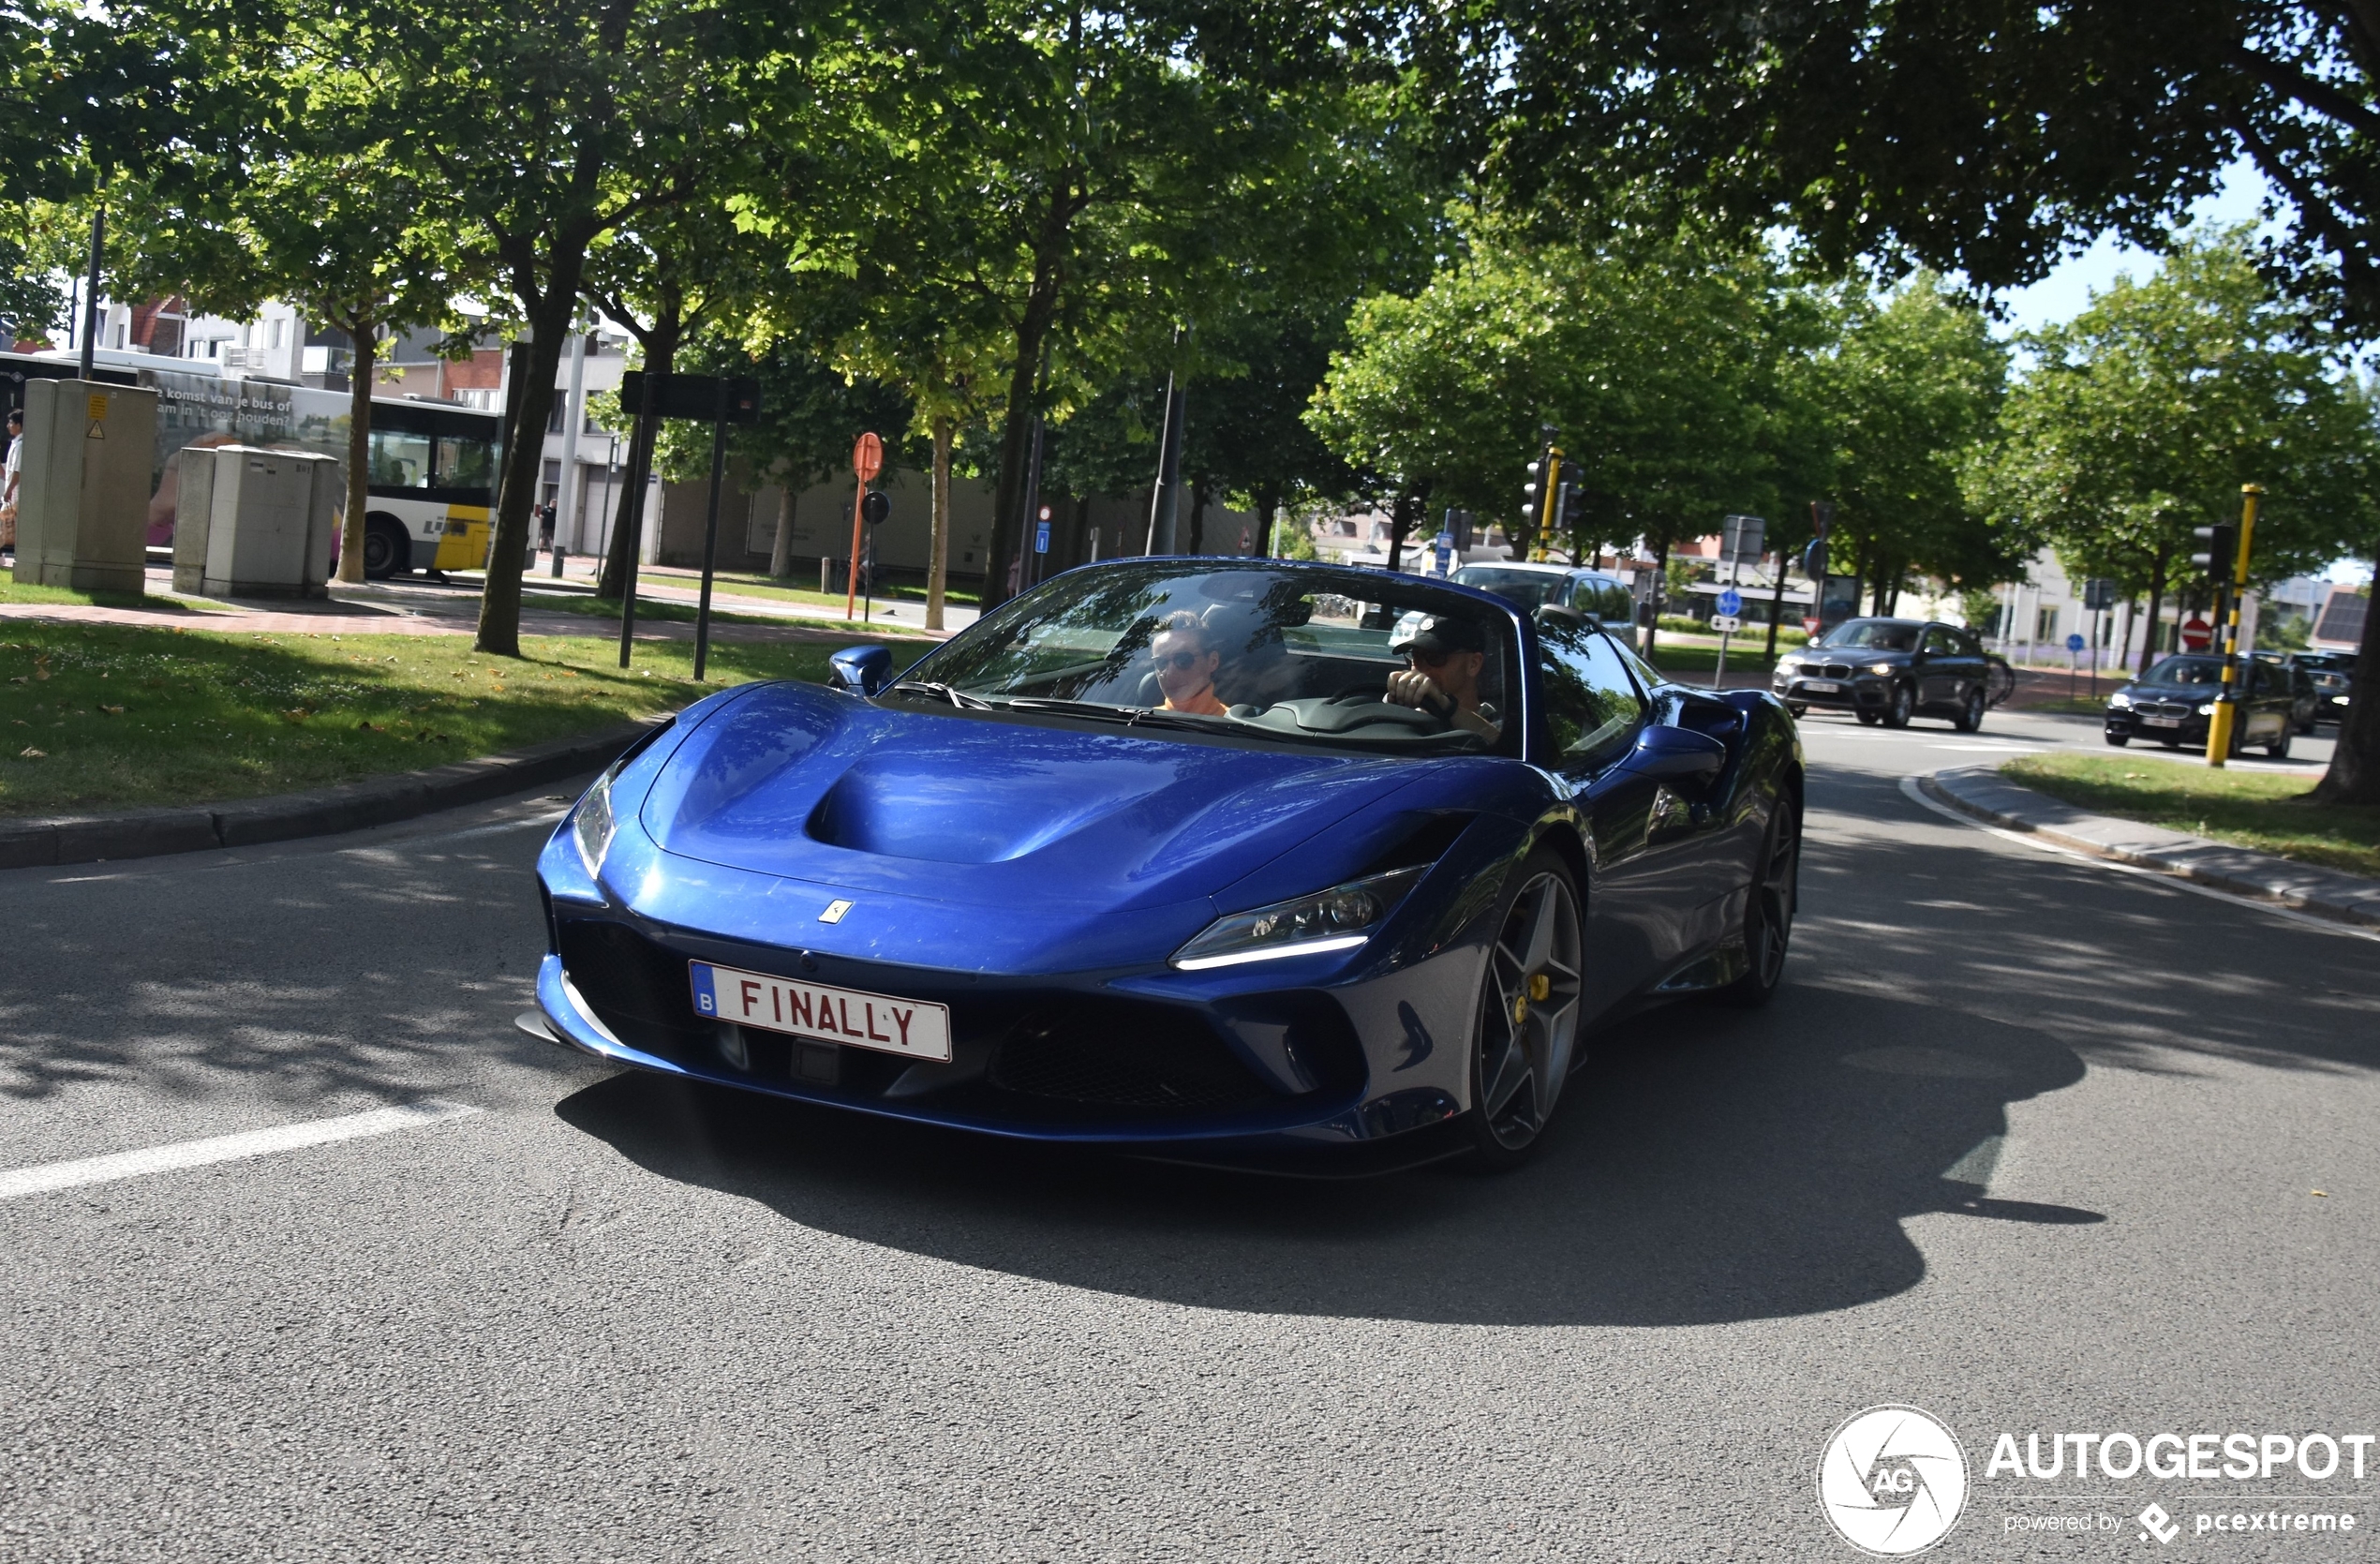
{"type": "Point", "coordinates": [1678, 754]}
{"type": "Point", "coordinates": [860, 670]}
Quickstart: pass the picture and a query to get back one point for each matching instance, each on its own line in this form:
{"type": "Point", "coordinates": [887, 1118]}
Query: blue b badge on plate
{"type": "Point", "coordinates": [704, 999]}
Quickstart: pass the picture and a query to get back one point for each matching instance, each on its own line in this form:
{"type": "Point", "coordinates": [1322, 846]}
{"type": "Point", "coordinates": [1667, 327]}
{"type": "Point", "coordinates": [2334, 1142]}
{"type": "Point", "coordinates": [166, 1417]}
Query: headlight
{"type": "Point", "coordinates": [1886, 668]}
{"type": "Point", "coordinates": [2121, 701]}
{"type": "Point", "coordinates": [2205, 708]}
{"type": "Point", "coordinates": [1339, 918]}
{"type": "Point", "coordinates": [594, 826]}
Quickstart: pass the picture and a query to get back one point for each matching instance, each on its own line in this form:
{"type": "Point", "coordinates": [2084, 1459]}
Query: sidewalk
{"type": "Point", "coordinates": [1980, 793]}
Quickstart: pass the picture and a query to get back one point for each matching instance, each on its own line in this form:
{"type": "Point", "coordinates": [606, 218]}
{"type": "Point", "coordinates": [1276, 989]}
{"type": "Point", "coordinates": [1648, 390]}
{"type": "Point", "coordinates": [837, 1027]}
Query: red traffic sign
{"type": "Point", "coordinates": [1810, 627]}
{"type": "Point", "coordinates": [2197, 633]}
{"type": "Point", "coordinates": [868, 458]}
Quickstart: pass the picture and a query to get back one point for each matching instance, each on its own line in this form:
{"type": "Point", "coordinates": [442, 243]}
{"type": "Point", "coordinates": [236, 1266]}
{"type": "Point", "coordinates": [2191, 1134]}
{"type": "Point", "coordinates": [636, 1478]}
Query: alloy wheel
{"type": "Point", "coordinates": [1530, 1011]}
{"type": "Point", "coordinates": [1774, 896]}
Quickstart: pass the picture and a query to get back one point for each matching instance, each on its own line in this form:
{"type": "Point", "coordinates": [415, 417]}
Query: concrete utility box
{"type": "Point", "coordinates": [253, 522]}
{"type": "Point", "coordinates": [82, 512]}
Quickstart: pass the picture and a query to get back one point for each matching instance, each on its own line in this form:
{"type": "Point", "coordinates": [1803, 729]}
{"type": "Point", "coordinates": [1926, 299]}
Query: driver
{"type": "Point", "coordinates": [1444, 659]}
{"type": "Point", "coordinates": [1186, 661]}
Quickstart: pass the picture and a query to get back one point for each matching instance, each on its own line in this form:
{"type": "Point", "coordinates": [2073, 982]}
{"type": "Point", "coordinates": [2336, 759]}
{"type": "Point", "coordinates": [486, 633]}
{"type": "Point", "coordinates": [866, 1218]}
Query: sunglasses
{"type": "Point", "coordinates": [1428, 659]}
{"type": "Point", "coordinates": [1184, 661]}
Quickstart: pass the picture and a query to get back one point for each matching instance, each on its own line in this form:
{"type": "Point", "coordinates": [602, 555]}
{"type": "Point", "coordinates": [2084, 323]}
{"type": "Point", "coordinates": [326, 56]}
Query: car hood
{"type": "Point", "coordinates": [800, 782]}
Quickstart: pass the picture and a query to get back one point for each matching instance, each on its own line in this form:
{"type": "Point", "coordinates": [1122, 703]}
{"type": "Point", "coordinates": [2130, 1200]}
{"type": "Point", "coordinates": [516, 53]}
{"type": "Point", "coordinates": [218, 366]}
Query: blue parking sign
{"type": "Point", "coordinates": [1041, 537]}
{"type": "Point", "coordinates": [2076, 643]}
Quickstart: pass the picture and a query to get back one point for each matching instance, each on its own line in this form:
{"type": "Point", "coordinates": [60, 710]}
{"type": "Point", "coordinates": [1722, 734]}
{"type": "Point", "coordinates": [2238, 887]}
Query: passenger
{"type": "Point", "coordinates": [1446, 655]}
{"type": "Point", "coordinates": [1186, 661]}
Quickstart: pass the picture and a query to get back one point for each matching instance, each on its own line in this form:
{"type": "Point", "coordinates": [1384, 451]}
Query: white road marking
{"type": "Point", "coordinates": [43, 1178]}
{"type": "Point", "coordinates": [1915, 795]}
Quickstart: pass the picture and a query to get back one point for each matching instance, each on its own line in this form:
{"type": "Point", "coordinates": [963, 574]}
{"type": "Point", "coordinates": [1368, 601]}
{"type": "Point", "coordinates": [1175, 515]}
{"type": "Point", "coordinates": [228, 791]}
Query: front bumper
{"type": "Point", "coordinates": [1857, 691]}
{"type": "Point", "coordinates": [2187, 727]}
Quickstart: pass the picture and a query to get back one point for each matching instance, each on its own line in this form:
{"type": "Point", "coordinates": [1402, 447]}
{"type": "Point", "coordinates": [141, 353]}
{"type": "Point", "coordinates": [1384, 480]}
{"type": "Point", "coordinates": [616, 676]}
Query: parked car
{"type": "Point", "coordinates": [1604, 599]}
{"type": "Point", "coordinates": [1888, 671]}
{"type": "Point", "coordinates": [2305, 699]}
{"type": "Point", "coordinates": [1244, 861]}
{"type": "Point", "coordinates": [2176, 702]}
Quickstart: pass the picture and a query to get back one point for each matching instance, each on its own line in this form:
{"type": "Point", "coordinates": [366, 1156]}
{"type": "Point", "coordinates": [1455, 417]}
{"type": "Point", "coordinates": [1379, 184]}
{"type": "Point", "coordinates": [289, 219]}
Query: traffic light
{"type": "Point", "coordinates": [1573, 509]}
{"type": "Point", "coordinates": [1533, 495]}
{"type": "Point", "coordinates": [2223, 545]}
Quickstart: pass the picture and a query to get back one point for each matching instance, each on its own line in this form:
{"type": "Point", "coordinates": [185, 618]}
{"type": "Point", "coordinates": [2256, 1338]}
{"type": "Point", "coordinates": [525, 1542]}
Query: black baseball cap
{"type": "Point", "coordinates": [1442, 634]}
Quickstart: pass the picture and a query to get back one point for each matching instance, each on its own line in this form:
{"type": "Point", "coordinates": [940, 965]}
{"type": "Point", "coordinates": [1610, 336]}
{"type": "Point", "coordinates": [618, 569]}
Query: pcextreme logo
{"type": "Point", "coordinates": [1891, 1481]}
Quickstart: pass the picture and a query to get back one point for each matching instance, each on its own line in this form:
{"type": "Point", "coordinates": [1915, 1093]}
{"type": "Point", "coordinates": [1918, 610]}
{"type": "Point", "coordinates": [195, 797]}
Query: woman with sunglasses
{"type": "Point", "coordinates": [1186, 663]}
{"type": "Point", "coordinates": [1442, 675]}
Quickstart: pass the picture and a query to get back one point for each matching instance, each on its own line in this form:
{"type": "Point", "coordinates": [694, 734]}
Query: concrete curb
{"type": "Point", "coordinates": [323, 812]}
{"type": "Point", "coordinates": [1980, 793]}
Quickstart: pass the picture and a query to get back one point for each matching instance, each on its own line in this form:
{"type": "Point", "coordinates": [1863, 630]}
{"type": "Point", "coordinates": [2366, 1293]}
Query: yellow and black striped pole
{"type": "Point", "coordinates": [2219, 731]}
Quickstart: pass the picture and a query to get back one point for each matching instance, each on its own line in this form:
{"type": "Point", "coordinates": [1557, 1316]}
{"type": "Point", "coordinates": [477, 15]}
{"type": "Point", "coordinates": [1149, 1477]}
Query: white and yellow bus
{"type": "Point", "coordinates": [433, 465]}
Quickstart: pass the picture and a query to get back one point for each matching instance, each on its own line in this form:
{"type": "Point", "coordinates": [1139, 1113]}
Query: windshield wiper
{"type": "Point", "coordinates": [940, 691]}
{"type": "Point", "coordinates": [1130, 716]}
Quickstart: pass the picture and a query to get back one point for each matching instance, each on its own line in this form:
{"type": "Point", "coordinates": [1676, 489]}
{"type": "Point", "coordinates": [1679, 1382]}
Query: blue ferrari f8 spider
{"type": "Point", "coordinates": [1241, 861]}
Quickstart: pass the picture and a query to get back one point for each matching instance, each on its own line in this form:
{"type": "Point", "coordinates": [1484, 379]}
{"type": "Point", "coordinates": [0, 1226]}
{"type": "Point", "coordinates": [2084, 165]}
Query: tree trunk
{"type": "Point", "coordinates": [938, 543]}
{"type": "Point", "coordinates": [1402, 515]}
{"type": "Point", "coordinates": [2354, 777]}
{"type": "Point", "coordinates": [1268, 512]}
{"type": "Point", "coordinates": [1776, 605]}
{"type": "Point", "coordinates": [2156, 607]}
{"type": "Point", "coordinates": [1199, 499]}
{"type": "Point", "coordinates": [780, 548]}
{"type": "Point", "coordinates": [359, 329]}
{"type": "Point", "coordinates": [1661, 589]}
{"type": "Point", "coordinates": [619, 560]}
{"type": "Point", "coordinates": [499, 632]}
{"type": "Point", "coordinates": [1016, 433]}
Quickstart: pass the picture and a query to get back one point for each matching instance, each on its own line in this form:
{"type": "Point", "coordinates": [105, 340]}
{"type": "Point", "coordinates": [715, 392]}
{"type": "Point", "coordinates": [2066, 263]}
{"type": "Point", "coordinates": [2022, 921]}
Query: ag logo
{"type": "Point", "coordinates": [1892, 1480]}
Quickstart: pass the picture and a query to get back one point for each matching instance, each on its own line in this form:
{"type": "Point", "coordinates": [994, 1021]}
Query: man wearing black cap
{"type": "Point", "coordinates": [1444, 659]}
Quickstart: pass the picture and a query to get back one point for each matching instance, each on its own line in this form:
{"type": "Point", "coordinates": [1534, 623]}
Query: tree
{"type": "Point", "coordinates": [1987, 138]}
{"type": "Point", "coordinates": [2143, 417]}
{"type": "Point", "coordinates": [1906, 390]}
{"type": "Point", "coordinates": [551, 123]}
{"type": "Point", "coordinates": [1660, 365]}
{"type": "Point", "coordinates": [314, 210]}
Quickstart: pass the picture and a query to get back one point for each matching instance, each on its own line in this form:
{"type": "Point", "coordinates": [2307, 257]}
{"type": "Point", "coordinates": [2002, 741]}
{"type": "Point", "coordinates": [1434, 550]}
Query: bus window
{"type": "Point", "coordinates": [400, 460]}
{"type": "Point", "coordinates": [464, 463]}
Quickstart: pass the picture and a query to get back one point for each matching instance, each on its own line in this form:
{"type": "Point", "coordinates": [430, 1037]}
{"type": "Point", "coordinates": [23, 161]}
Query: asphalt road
{"type": "Point", "coordinates": [2027, 1142]}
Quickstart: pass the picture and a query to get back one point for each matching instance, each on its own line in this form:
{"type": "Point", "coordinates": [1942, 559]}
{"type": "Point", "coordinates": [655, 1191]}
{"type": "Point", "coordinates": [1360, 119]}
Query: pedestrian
{"type": "Point", "coordinates": [9, 483]}
{"type": "Point", "coordinates": [545, 525]}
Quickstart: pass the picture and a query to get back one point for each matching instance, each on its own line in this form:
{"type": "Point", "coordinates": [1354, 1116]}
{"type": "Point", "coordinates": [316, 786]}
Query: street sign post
{"type": "Point", "coordinates": [1741, 538]}
{"type": "Point", "coordinates": [720, 401]}
{"type": "Point", "coordinates": [2075, 644]}
{"type": "Point", "coordinates": [1726, 624]}
{"type": "Point", "coordinates": [867, 460]}
{"type": "Point", "coordinates": [874, 508]}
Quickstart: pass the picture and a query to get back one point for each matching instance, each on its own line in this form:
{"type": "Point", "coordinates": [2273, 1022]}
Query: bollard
{"type": "Point", "coordinates": [561, 554]}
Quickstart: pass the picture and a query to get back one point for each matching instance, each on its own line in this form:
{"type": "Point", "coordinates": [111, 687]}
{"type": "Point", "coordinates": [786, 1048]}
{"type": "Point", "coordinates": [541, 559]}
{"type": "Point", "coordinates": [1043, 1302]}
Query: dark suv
{"type": "Point", "coordinates": [2175, 703]}
{"type": "Point", "coordinates": [1888, 671]}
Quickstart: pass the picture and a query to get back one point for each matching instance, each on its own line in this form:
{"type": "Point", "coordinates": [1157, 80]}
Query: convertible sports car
{"type": "Point", "coordinates": [1249, 861]}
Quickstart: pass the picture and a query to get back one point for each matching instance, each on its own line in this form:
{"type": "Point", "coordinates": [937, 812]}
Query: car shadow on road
{"type": "Point", "coordinates": [1711, 1166]}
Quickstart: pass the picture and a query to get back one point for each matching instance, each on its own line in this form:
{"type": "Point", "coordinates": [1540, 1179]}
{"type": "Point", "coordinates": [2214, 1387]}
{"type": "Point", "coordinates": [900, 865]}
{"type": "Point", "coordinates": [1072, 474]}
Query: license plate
{"type": "Point", "coordinates": [909, 1027]}
{"type": "Point", "coordinates": [1827, 685]}
{"type": "Point", "coordinates": [2161, 722]}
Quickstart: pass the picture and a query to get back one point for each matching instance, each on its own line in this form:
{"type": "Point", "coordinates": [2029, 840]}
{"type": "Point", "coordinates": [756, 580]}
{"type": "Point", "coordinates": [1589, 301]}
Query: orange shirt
{"type": "Point", "coordinates": [1203, 703]}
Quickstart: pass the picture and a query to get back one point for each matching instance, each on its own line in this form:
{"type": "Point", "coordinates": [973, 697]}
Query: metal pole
{"type": "Point", "coordinates": [573, 419]}
{"type": "Point", "coordinates": [637, 519]}
{"type": "Point", "coordinates": [851, 582]}
{"type": "Point", "coordinates": [1166, 462]}
{"type": "Point", "coordinates": [2227, 713]}
{"type": "Point", "coordinates": [91, 293]}
{"type": "Point", "coordinates": [710, 529]}
{"type": "Point", "coordinates": [1718, 676]}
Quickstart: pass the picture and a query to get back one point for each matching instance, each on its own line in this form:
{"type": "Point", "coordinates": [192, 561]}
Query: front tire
{"type": "Point", "coordinates": [2119, 740]}
{"type": "Point", "coordinates": [1903, 707]}
{"type": "Point", "coordinates": [1524, 1027]}
{"type": "Point", "coordinates": [2279, 748]}
{"type": "Point", "coordinates": [1971, 716]}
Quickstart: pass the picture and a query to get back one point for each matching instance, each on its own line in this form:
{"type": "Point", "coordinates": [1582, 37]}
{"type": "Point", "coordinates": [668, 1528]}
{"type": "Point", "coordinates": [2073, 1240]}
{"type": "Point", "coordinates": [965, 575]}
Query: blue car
{"type": "Point", "coordinates": [1250, 862]}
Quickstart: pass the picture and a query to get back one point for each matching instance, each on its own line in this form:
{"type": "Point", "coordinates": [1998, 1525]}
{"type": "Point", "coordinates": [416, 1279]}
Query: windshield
{"type": "Point", "coordinates": [1333, 658]}
{"type": "Point", "coordinates": [2187, 670]}
{"type": "Point", "coordinates": [1874, 635]}
{"type": "Point", "coordinates": [1528, 588]}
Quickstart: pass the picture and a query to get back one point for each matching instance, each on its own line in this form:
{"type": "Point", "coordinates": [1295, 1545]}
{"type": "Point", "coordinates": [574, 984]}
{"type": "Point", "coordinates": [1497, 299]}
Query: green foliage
{"type": "Point", "coordinates": [2284, 633]}
{"type": "Point", "coordinates": [1904, 393]}
{"type": "Point", "coordinates": [1978, 609]}
{"type": "Point", "coordinates": [2143, 417]}
{"type": "Point", "coordinates": [1662, 367]}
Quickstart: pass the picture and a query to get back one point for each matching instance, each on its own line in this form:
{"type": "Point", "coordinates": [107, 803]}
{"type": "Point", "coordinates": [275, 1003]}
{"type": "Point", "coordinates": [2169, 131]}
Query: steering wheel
{"type": "Point", "coordinates": [1376, 693]}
